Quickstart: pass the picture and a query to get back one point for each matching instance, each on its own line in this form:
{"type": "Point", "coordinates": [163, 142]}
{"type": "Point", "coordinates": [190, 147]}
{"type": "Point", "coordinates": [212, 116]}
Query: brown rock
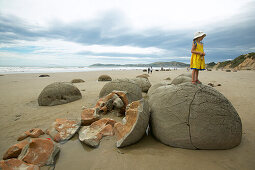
{"type": "Point", "coordinates": [33, 133]}
{"type": "Point", "coordinates": [15, 150]}
{"type": "Point", "coordinates": [89, 116]}
{"type": "Point", "coordinates": [134, 124]}
{"type": "Point", "coordinates": [91, 135]}
{"type": "Point", "coordinates": [39, 152]}
{"type": "Point", "coordinates": [13, 164]}
{"type": "Point", "coordinates": [63, 129]}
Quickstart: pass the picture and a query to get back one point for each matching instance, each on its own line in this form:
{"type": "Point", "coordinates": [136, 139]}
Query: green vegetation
{"type": "Point", "coordinates": [223, 64]}
{"type": "Point", "coordinates": [210, 65]}
{"type": "Point", "coordinates": [238, 60]}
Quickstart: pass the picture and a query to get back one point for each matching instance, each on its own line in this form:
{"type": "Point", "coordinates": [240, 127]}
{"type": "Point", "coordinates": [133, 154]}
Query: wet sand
{"type": "Point", "coordinates": [19, 94]}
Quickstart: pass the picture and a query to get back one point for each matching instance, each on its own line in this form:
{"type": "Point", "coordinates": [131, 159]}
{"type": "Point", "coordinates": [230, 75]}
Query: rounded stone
{"type": "Point", "coordinates": [104, 78]}
{"type": "Point", "coordinates": [157, 85]}
{"type": "Point", "coordinates": [181, 79]}
{"type": "Point", "coordinates": [134, 92]}
{"type": "Point", "coordinates": [194, 117]}
{"type": "Point", "coordinates": [58, 93]}
{"type": "Point", "coordinates": [144, 83]}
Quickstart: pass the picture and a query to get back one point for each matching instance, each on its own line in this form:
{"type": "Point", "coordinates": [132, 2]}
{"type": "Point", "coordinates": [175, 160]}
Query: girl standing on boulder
{"type": "Point", "coordinates": [197, 61]}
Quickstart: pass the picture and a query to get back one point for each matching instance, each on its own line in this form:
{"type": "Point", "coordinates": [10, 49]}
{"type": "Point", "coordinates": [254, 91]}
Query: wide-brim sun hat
{"type": "Point", "coordinates": [199, 34]}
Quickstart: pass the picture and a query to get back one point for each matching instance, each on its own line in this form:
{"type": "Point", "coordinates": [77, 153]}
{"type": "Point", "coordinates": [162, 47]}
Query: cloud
{"type": "Point", "coordinates": [111, 37]}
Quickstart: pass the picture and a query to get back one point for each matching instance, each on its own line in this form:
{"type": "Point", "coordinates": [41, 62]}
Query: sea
{"type": "Point", "coordinates": [16, 70]}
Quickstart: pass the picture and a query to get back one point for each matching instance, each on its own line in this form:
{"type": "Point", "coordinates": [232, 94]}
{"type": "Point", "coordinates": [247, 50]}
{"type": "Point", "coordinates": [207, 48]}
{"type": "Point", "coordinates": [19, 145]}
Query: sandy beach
{"type": "Point", "coordinates": [19, 112]}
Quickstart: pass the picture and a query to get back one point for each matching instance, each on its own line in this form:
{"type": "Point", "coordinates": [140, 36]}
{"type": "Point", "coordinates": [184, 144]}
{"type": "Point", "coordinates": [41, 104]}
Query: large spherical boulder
{"type": "Point", "coordinates": [144, 83]}
{"type": "Point", "coordinates": [77, 81]}
{"type": "Point", "coordinates": [134, 92]}
{"type": "Point", "coordinates": [194, 117]}
{"type": "Point", "coordinates": [157, 85]}
{"type": "Point", "coordinates": [181, 79]}
{"type": "Point", "coordinates": [104, 78]}
{"type": "Point", "coordinates": [58, 93]}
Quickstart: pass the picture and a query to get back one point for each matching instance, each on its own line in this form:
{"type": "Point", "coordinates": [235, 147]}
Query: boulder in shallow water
{"type": "Point", "coordinates": [134, 124]}
{"type": "Point", "coordinates": [63, 129]}
{"type": "Point", "coordinates": [58, 93]}
{"type": "Point", "coordinates": [194, 117]}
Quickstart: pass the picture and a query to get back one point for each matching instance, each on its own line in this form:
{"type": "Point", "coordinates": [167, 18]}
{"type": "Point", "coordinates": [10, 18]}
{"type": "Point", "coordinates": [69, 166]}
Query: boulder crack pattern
{"type": "Point", "coordinates": [189, 117]}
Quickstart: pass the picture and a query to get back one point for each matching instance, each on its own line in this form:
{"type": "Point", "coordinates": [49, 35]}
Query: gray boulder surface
{"type": "Point", "coordinates": [134, 92]}
{"type": "Point", "coordinates": [58, 93]}
{"type": "Point", "coordinates": [186, 74]}
{"type": "Point", "coordinates": [144, 83]}
{"type": "Point", "coordinates": [181, 79]}
{"type": "Point", "coordinates": [157, 85]}
{"type": "Point", "coordinates": [194, 117]}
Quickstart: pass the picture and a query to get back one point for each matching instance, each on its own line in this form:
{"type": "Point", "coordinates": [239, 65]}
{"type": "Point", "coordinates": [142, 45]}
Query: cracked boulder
{"type": "Point", "coordinates": [15, 150]}
{"type": "Point", "coordinates": [39, 152]}
{"type": "Point", "coordinates": [181, 79]}
{"type": "Point", "coordinates": [194, 117]}
{"type": "Point", "coordinates": [13, 164]}
{"type": "Point", "coordinates": [144, 83]}
{"type": "Point", "coordinates": [91, 135]}
{"type": "Point", "coordinates": [133, 91]}
{"type": "Point", "coordinates": [58, 93]}
{"type": "Point", "coordinates": [63, 129]}
{"type": "Point", "coordinates": [134, 124]}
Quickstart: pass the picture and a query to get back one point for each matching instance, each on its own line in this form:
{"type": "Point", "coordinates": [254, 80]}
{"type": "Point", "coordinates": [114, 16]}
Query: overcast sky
{"type": "Point", "coordinates": [84, 32]}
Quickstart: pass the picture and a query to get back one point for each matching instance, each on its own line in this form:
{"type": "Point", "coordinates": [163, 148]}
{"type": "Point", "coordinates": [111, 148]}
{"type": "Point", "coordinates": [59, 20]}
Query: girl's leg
{"type": "Point", "coordinates": [197, 75]}
{"type": "Point", "coordinates": [194, 76]}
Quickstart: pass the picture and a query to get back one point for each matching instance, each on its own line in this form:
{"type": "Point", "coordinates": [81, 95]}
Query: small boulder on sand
{"type": "Point", "coordinates": [143, 76]}
{"type": "Point", "coordinates": [77, 81]}
{"type": "Point", "coordinates": [58, 93]}
{"type": "Point", "coordinates": [13, 164]}
{"type": "Point", "coordinates": [134, 124]}
{"type": "Point", "coordinates": [63, 129]}
{"type": "Point", "coordinates": [194, 117]}
{"type": "Point", "coordinates": [181, 79]}
{"type": "Point", "coordinates": [15, 150]}
{"type": "Point", "coordinates": [39, 152]}
{"type": "Point", "coordinates": [133, 91]}
{"type": "Point", "coordinates": [91, 135]}
{"type": "Point", "coordinates": [104, 78]}
{"type": "Point", "coordinates": [44, 75]}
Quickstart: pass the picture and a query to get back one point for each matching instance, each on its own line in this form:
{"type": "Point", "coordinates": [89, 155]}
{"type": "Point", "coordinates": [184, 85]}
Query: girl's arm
{"type": "Point", "coordinates": [194, 48]}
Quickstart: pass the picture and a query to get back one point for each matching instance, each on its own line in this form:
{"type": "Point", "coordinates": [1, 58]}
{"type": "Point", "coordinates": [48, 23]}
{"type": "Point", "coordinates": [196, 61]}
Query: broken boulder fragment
{"type": "Point", "coordinates": [134, 124]}
{"type": "Point", "coordinates": [91, 135]}
{"type": "Point", "coordinates": [33, 133]}
{"type": "Point", "coordinates": [39, 152]}
{"type": "Point", "coordinates": [15, 150]}
{"type": "Point", "coordinates": [13, 164]}
{"type": "Point", "coordinates": [89, 115]}
{"type": "Point", "coordinates": [63, 129]}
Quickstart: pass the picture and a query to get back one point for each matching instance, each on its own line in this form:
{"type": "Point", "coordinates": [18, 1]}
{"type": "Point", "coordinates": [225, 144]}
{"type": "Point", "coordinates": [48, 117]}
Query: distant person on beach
{"type": "Point", "coordinates": [148, 70]}
{"type": "Point", "coordinates": [197, 61]}
{"type": "Point", "coordinates": [151, 69]}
